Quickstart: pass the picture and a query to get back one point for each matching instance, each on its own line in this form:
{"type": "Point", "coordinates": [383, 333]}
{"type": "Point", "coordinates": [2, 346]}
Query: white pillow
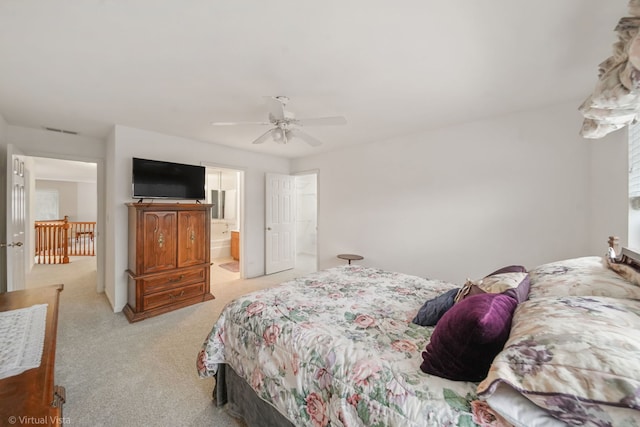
{"type": "Point", "coordinates": [518, 410]}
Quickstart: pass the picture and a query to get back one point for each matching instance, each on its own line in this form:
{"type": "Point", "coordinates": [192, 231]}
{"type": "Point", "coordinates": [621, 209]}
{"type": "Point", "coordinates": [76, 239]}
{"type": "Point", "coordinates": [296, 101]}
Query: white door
{"type": "Point", "coordinates": [16, 215]}
{"type": "Point", "coordinates": [280, 223]}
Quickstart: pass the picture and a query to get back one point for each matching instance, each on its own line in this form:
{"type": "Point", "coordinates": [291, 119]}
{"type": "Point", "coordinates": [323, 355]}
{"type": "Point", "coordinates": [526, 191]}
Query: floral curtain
{"type": "Point", "coordinates": [615, 101]}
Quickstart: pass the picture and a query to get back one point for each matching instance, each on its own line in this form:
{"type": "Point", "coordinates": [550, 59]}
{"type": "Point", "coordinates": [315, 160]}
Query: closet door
{"type": "Point", "coordinates": [193, 247]}
{"type": "Point", "coordinates": [159, 240]}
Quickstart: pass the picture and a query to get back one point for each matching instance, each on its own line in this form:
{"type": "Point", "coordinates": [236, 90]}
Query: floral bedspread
{"type": "Point", "coordinates": [337, 348]}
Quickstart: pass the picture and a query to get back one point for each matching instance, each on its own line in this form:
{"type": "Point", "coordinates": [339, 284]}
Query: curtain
{"type": "Point", "coordinates": [615, 101]}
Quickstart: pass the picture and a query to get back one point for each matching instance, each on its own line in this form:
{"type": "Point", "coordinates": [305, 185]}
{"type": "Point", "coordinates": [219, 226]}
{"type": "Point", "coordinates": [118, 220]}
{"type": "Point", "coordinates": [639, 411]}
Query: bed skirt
{"type": "Point", "coordinates": [243, 402]}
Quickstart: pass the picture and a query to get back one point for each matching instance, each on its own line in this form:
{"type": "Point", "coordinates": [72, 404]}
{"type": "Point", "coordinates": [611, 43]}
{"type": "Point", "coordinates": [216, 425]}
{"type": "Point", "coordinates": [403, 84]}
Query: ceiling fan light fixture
{"type": "Point", "coordinates": [285, 125]}
{"type": "Point", "coordinates": [277, 135]}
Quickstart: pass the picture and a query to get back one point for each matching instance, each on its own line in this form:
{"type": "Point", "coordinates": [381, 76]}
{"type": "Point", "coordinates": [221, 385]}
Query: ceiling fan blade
{"type": "Point", "coordinates": [311, 140]}
{"type": "Point", "coordinates": [238, 123]}
{"type": "Point", "coordinates": [262, 138]}
{"type": "Point", "coordinates": [275, 105]}
{"type": "Point", "coordinates": [322, 121]}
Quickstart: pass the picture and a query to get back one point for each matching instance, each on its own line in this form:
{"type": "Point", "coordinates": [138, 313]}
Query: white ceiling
{"type": "Point", "coordinates": [391, 68]}
{"type": "Point", "coordinates": [64, 170]}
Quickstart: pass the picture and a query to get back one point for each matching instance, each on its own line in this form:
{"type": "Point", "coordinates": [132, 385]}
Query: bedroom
{"type": "Point", "coordinates": [522, 130]}
{"type": "Point", "coordinates": [496, 180]}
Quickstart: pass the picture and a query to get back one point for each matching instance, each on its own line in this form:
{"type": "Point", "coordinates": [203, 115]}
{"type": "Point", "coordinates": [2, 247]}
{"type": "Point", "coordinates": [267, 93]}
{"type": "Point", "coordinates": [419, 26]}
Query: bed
{"type": "Point", "coordinates": [340, 348]}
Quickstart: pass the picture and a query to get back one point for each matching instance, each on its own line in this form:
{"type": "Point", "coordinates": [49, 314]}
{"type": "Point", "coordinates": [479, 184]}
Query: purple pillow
{"type": "Point", "coordinates": [468, 337]}
{"type": "Point", "coordinates": [521, 293]}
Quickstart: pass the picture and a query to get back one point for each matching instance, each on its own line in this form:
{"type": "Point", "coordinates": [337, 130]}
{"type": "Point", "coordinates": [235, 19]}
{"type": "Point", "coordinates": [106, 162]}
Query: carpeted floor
{"type": "Point", "coordinates": [141, 374]}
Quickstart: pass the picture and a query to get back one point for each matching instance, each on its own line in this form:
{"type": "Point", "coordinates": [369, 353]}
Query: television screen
{"type": "Point", "coordinates": [153, 179]}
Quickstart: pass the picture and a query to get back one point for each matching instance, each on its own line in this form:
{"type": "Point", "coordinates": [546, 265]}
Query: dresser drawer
{"type": "Point", "coordinates": [160, 299]}
{"type": "Point", "coordinates": [170, 281]}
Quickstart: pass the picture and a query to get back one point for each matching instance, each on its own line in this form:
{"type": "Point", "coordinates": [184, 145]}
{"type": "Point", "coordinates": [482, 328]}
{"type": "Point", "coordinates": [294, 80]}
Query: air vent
{"type": "Point", "coordinates": [70, 132]}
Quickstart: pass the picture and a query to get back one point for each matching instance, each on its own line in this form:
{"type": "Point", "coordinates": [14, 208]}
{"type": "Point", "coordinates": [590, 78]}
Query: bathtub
{"type": "Point", "coordinates": [220, 239]}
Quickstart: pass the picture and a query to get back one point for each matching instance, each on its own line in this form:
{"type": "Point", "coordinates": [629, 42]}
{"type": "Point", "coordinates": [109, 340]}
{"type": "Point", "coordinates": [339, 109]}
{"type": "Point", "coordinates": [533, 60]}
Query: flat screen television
{"type": "Point", "coordinates": [153, 179]}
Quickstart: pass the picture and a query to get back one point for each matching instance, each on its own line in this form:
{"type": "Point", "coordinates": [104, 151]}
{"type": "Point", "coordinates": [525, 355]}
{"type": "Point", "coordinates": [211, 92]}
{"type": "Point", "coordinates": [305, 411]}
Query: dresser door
{"type": "Point", "coordinates": [192, 238]}
{"type": "Point", "coordinates": [159, 239]}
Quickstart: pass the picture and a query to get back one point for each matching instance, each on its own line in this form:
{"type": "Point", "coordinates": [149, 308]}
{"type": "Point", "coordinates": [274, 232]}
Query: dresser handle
{"type": "Point", "coordinates": [176, 280]}
{"type": "Point", "coordinates": [161, 240]}
{"type": "Point", "coordinates": [59, 396]}
{"type": "Point", "coordinates": [193, 236]}
{"type": "Point", "coordinates": [172, 296]}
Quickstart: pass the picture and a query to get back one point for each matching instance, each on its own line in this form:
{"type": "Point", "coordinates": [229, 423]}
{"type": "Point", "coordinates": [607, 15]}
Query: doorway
{"type": "Point", "coordinates": [291, 222]}
{"type": "Point", "coordinates": [306, 254]}
{"type": "Point", "coordinates": [307, 222]}
{"type": "Point", "coordinates": [57, 189]}
{"type": "Point", "coordinates": [224, 193]}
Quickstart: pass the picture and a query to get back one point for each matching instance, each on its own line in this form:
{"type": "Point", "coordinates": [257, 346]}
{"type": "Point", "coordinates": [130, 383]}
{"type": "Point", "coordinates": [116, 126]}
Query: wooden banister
{"type": "Point", "coordinates": [57, 240]}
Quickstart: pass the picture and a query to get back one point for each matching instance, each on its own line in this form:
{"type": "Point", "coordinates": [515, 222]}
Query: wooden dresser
{"type": "Point", "coordinates": [169, 257]}
{"type": "Point", "coordinates": [32, 398]}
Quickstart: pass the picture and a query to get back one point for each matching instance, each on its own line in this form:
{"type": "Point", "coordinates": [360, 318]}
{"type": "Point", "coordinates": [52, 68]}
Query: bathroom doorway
{"type": "Point", "coordinates": [306, 222]}
{"type": "Point", "coordinates": [224, 188]}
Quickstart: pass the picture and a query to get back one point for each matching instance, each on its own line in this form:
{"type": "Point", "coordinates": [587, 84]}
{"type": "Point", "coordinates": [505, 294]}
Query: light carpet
{"type": "Point", "coordinates": [141, 374]}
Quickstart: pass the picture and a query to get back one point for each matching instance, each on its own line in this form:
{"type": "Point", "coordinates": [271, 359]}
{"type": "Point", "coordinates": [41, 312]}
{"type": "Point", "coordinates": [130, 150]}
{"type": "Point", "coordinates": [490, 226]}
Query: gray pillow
{"type": "Point", "coordinates": [432, 310]}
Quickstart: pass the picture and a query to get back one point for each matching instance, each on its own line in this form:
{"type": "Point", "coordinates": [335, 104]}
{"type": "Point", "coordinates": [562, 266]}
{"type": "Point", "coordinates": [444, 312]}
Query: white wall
{"type": "Point", "coordinates": [609, 191]}
{"type": "Point", "coordinates": [459, 202]}
{"type": "Point", "coordinates": [129, 142]}
{"type": "Point", "coordinates": [87, 209]}
{"type": "Point", "coordinates": [3, 201]}
{"type": "Point", "coordinates": [447, 204]}
{"type": "Point", "coordinates": [67, 197]}
{"type": "Point", "coordinates": [110, 246]}
{"type": "Point", "coordinates": [43, 143]}
{"type": "Point", "coordinates": [77, 200]}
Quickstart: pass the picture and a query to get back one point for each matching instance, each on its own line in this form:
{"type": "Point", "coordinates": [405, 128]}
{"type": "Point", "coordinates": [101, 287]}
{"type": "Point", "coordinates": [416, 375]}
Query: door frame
{"type": "Point", "coordinates": [241, 211]}
{"type": "Point", "coordinates": [101, 207]}
{"type": "Point", "coordinates": [315, 172]}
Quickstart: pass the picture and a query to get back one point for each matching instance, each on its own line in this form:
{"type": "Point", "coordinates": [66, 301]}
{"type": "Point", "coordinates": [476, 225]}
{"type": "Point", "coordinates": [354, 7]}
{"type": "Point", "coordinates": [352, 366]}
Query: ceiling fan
{"type": "Point", "coordinates": [284, 124]}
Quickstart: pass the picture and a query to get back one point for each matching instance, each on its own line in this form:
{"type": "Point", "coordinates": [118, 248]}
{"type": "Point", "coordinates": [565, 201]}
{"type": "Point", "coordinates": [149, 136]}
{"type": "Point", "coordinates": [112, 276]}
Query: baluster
{"type": "Point", "coordinates": [49, 242]}
{"type": "Point", "coordinates": [56, 238]}
{"type": "Point", "coordinates": [59, 245]}
{"type": "Point", "coordinates": [52, 246]}
{"type": "Point", "coordinates": [38, 236]}
{"type": "Point", "coordinates": [65, 237]}
{"type": "Point", "coordinates": [82, 236]}
{"type": "Point", "coordinates": [45, 247]}
{"type": "Point", "coordinates": [74, 238]}
{"type": "Point", "coordinates": [41, 259]}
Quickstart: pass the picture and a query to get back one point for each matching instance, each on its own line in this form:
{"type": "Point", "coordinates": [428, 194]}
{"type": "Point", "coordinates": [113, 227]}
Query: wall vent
{"type": "Point", "coordinates": [70, 132]}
